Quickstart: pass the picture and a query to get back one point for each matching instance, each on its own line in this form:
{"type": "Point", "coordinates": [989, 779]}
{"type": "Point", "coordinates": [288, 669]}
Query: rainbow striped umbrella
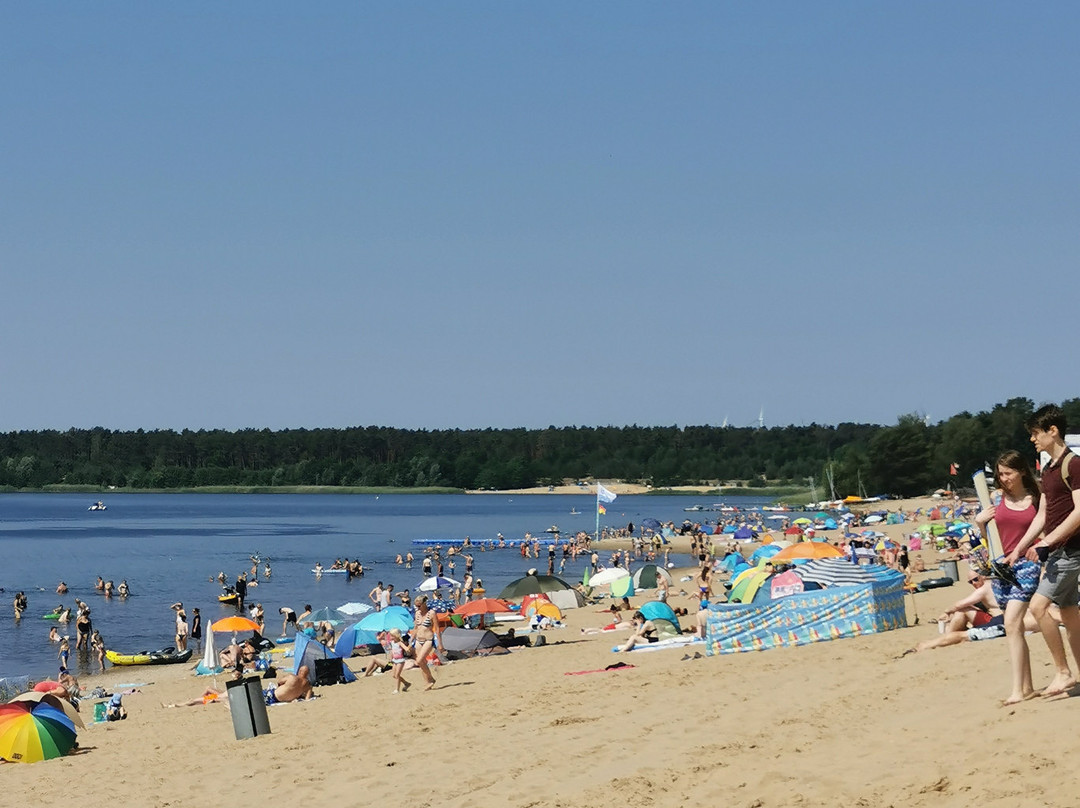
{"type": "Point", "coordinates": [32, 731]}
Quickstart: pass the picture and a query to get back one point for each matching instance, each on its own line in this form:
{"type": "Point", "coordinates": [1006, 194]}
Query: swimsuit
{"type": "Point", "coordinates": [269, 696]}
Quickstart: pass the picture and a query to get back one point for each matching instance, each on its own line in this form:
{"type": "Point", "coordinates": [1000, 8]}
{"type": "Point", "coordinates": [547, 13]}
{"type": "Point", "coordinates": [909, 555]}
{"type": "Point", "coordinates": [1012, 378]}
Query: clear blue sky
{"type": "Point", "coordinates": [520, 214]}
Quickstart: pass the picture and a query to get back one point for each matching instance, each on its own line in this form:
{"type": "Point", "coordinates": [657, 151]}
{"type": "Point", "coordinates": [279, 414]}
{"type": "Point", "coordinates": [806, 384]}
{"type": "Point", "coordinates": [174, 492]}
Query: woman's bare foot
{"type": "Point", "coordinates": [405, 686]}
{"type": "Point", "coordinates": [1016, 698]}
{"type": "Point", "coordinates": [1062, 683]}
{"type": "Point", "coordinates": [431, 686]}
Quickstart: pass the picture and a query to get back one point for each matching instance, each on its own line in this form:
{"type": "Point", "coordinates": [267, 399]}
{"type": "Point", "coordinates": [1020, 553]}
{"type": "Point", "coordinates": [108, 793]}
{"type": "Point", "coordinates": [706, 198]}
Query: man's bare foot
{"type": "Point", "coordinates": [431, 686]}
{"type": "Point", "coordinates": [1062, 683]}
{"type": "Point", "coordinates": [405, 686]}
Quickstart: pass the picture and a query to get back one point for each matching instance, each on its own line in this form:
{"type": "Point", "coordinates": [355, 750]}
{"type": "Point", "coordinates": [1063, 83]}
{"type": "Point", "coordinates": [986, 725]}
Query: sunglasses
{"type": "Point", "coordinates": [974, 580]}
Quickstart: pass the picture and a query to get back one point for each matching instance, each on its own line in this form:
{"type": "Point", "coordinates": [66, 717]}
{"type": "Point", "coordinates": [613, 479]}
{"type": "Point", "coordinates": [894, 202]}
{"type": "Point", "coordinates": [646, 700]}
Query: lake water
{"type": "Point", "coordinates": [169, 546]}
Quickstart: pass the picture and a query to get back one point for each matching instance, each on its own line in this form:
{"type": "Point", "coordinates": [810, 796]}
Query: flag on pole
{"type": "Point", "coordinates": [603, 495]}
{"type": "Point", "coordinates": [601, 509]}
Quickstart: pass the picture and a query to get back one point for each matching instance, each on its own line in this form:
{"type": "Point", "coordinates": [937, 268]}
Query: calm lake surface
{"type": "Point", "coordinates": [170, 546]}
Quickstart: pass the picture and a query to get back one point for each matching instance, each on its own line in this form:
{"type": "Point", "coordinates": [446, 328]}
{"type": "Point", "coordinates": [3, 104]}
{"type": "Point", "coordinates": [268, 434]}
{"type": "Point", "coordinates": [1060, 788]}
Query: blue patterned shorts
{"type": "Point", "coordinates": [1027, 575]}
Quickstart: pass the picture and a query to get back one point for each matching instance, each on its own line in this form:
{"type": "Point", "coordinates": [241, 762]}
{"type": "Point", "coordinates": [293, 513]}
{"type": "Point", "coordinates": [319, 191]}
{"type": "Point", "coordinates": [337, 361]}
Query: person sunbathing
{"type": "Point", "coordinates": [973, 618]}
{"type": "Point", "coordinates": [290, 687]}
{"type": "Point", "coordinates": [644, 632]}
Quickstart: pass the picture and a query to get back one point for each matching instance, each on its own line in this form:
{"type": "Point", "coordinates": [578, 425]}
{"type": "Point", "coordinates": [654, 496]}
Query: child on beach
{"type": "Point", "coordinates": [1058, 523]}
{"type": "Point", "coordinates": [397, 659]}
{"type": "Point", "coordinates": [65, 652]}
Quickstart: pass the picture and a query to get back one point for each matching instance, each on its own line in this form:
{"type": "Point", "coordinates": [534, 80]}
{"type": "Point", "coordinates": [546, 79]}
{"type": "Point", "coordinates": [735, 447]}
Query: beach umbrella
{"type": "Point", "coordinates": [325, 615]}
{"type": "Point", "coordinates": [34, 730]}
{"type": "Point", "coordinates": [441, 605]}
{"type": "Point", "coordinates": [885, 544]}
{"type": "Point", "coordinates": [651, 524]}
{"type": "Point", "coordinates": [482, 606]}
{"type": "Point", "coordinates": [234, 624]}
{"type": "Point", "coordinates": [354, 608]}
{"type": "Point", "coordinates": [806, 549]}
{"type": "Point", "coordinates": [802, 520]}
{"type": "Point", "coordinates": [533, 585]}
{"type": "Point", "coordinates": [608, 576]}
{"type": "Point", "coordinates": [438, 582]}
{"type": "Point", "coordinates": [833, 572]}
{"type": "Point", "coordinates": [391, 617]}
{"type": "Point", "coordinates": [821, 515]}
{"type": "Point", "coordinates": [55, 701]}
{"type": "Point", "coordinates": [873, 520]}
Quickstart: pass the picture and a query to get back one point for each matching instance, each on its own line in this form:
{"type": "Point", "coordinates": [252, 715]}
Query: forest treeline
{"type": "Point", "coordinates": [908, 458]}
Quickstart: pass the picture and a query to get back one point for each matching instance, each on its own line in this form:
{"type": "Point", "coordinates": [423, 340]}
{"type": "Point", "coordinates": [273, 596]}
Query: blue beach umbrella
{"type": "Point", "coordinates": [391, 617]}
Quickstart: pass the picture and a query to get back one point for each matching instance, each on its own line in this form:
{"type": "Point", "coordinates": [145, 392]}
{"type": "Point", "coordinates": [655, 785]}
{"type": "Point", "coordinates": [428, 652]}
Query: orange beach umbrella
{"type": "Point", "coordinates": [235, 623]}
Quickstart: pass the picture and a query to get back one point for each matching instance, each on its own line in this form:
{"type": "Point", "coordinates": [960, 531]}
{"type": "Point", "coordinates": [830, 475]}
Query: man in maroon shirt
{"type": "Point", "coordinates": [1058, 523]}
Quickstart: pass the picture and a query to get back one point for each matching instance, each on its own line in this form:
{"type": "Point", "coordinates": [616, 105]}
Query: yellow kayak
{"type": "Point", "coordinates": [166, 656]}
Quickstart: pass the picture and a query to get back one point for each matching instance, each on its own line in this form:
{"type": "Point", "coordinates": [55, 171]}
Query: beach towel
{"type": "Point", "coordinates": [618, 666]}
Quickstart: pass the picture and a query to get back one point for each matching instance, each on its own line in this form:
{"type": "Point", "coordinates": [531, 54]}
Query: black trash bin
{"type": "Point", "coordinates": [248, 708]}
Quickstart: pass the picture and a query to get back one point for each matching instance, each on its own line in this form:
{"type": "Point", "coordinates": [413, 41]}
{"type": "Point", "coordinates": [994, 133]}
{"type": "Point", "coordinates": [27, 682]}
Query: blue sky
{"type": "Point", "coordinates": [508, 214]}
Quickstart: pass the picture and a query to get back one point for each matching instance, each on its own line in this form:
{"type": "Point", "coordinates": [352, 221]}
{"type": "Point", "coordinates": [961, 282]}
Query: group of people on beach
{"type": "Point", "coordinates": [1036, 587]}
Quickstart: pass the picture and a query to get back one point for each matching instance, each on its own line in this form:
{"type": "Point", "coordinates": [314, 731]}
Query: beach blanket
{"type": "Point", "coordinates": [664, 645]}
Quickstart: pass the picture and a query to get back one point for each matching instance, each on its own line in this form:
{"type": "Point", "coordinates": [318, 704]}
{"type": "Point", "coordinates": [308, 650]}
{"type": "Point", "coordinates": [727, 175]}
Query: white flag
{"type": "Point", "coordinates": [603, 494]}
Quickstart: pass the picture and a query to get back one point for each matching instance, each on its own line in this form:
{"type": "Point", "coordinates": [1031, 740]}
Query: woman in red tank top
{"type": "Point", "coordinates": [1013, 515]}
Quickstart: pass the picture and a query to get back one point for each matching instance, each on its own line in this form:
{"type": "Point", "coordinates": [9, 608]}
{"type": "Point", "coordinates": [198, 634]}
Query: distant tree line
{"type": "Point", "coordinates": [910, 457]}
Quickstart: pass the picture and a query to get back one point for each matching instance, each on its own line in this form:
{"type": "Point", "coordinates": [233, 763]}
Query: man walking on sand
{"type": "Point", "coordinates": [1058, 522]}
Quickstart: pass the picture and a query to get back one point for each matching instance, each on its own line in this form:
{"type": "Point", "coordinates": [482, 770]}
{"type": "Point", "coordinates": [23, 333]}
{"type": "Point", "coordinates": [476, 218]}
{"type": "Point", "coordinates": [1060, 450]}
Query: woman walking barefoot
{"type": "Point", "coordinates": [1019, 504]}
{"type": "Point", "coordinates": [426, 627]}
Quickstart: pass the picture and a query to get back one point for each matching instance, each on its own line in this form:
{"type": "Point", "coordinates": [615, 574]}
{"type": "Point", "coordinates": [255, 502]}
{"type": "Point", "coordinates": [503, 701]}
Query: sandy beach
{"type": "Point", "coordinates": [845, 722]}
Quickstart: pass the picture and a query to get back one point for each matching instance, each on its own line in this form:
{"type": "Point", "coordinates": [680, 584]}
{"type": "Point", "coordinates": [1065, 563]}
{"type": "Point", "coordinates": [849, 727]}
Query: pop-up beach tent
{"type": "Point", "coordinates": [648, 576]}
{"type": "Point", "coordinates": [824, 614]}
{"type": "Point", "coordinates": [662, 616]}
{"type": "Point", "coordinates": [459, 643]}
{"type": "Point", "coordinates": [307, 650]}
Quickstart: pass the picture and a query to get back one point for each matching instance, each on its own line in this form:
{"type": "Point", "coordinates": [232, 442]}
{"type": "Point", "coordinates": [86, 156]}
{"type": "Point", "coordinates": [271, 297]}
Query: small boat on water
{"type": "Point", "coordinates": [230, 598]}
{"type": "Point", "coordinates": [553, 529]}
{"type": "Point", "coordinates": [98, 506]}
{"type": "Point", "coordinates": [574, 511]}
{"type": "Point", "coordinates": [166, 656]}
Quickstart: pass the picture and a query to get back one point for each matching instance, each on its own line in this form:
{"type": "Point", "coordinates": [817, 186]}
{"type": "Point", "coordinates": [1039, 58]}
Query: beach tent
{"type": "Point", "coordinates": [744, 532]}
{"type": "Point", "coordinates": [459, 643]}
{"type": "Point", "coordinates": [647, 577]}
{"type": "Point", "coordinates": [816, 616]}
{"type": "Point", "coordinates": [623, 587]}
{"type": "Point", "coordinates": [748, 584]}
{"type": "Point", "coordinates": [766, 551]}
{"type": "Point", "coordinates": [728, 529]}
{"type": "Point", "coordinates": [784, 584]}
{"type": "Point", "coordinates": [830, 524]}
{"type": "Point", "coordinates": [608, 576]}
{"type": "Point", "coordinates": [733, 560]}
{"type": "Point", "coordinates": [352, 637]}
{"type": "Point", "coordinates": [567, 599]}
{"type": "Point", "coordinates": [307, 650]}
{"type": "Point", "coordinates": [663, 617]}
